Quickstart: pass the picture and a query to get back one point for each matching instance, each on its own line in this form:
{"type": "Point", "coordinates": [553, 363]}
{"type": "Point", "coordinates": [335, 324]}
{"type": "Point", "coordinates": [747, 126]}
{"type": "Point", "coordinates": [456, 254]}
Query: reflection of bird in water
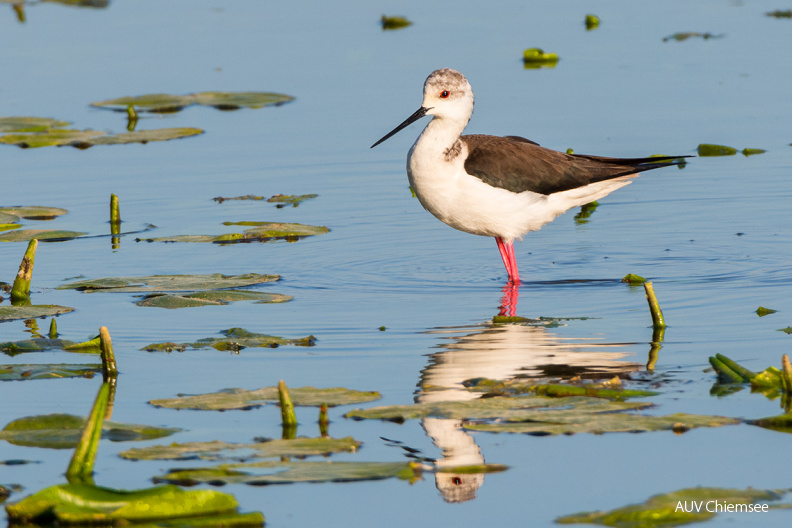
{"type": "Point", "coordinates": [498, 352]}
{"type": "Point", "coordinates": [503, 187]}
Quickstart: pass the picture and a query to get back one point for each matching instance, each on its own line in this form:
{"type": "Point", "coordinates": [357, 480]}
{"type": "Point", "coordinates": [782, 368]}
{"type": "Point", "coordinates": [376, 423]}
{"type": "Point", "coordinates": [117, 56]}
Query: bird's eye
{"type": "Point", "coordinates": [444, 94]}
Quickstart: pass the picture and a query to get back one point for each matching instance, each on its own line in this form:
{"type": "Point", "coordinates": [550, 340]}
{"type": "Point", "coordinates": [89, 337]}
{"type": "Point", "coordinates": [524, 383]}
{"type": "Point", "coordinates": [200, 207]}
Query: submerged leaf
{"type": "Point", "coordinates": [11, 313]}
{"type": "Point", "coordinates": [168, 283]}
{"type": "Point", "coordinates": [45, 371]}
{"type": "Point", "coordinates": [242, 399]}
{"type": "Point", "coordinates": [665, 510]}
{"type": "Point", "coordinates": [86, 504]}
{"type": "Point", "coordinates": [210, 298]}
{"type": "Point", "coordinates": [218, 450]}
{"type": "Point", "coordinates": [63, 431]}
{"type": "Point", "coordinates": [165, 103]}
{"type": "Point", "coordinates": [285, 199]}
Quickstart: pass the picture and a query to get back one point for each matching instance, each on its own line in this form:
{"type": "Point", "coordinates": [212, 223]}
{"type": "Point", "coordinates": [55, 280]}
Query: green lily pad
{"type": "Point", "coordinates": [276, 472]}
{"type": "Point", "coordinates": [787, 330]}
{"type": "Point", "coordinates": [679, 507]}
{"type": "Point", "coordinates": [210, 298]}
{"type": "Point", "coordinates": [218, 450]}
{"type": "Point", "coordinates": [30, 212]}
{"type": "Point", "coordinates": [141, 136]}
{"type": "Point", "coordinates": [538, 58]}
{"type": "Point", "coordinates": [228, 399]}
{"type": "Point", "coordinates": [50, 138]}
{"type": "Point", "coordinates": [554, 390]}
{"type": "Point", "coordinates": [633, 280]}
{"type": "Point", "coordinates": [49, 235]}
{"type": "Point", "coordinates": [762, 311]}
{"type": "Point", "coordinates": [592, 22]}
{"type": "Point", "coordinates": [282, 200]}
{"type": "Point", "coordinates": [394, 22]}
{"type": "Point", "coordinates": [39, 344]}
{"type": "Point", "coordinates": [778, 13]}
{"type": "Point", "coordinates": [12, 313]}
{"type": "Point", "coordinates": [63, 431]}
{"type": "Point", "coordinates": [705, 149]}
{"type": "Point", "coordinates": [9, 227]}
{"type": "Point", "coordinates": [541, 415]}
{"type": "Point", "coordinates": [78, 504]}
{"type": "Point", "coordinates": [30, 124]}
{"type": "Point", "coordinates": [168, 283]}
{"type": "Point", "coordinates": [260, 232]}
{"type": "Point", "coordinates": [44, 371]}
{"type": "Point", "coordinates": [752, 151]}
{"type": "Point", "coordinates": [164, 103]}
{"type": "Point", "coordinates": [234, 339]}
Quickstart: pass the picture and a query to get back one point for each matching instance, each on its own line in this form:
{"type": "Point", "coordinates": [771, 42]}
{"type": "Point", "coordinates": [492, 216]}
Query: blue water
{"type": "Point", "coordinates": [714, 237]}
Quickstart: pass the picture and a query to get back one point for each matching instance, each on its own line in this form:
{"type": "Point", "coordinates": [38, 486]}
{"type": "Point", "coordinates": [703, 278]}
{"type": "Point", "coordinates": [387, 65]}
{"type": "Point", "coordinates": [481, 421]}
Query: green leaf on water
{"type": "Point", "coordinates": [168, 283]}
{"type": "Point", "coordinates": [19, 372]}
{"type": "Point", "coordinates": [394, 22]}
{"type": "Point", "coordinates": [633, 280]}
{"type": "Point", "coordinates": [63, 431]}
{"type": "Point", "coordinates": [12, 313]}
{"type": "Point", "coordinates": [164, 103]}
{"type": "Point", "coordinates": [43, 235]}
{"type": "Point", "coordinates": [762, 311]}
{"type": "Point", "coordinates": [260, 232]}
{"type": "Point", "coordinates": [218, 450]}
{"type": "Point", "coordinates": [276, 472]}
{"type": "Point", "coordinates": [30, 212]}
{"type": "Point", "coordinates": [609, 390]}
{"type": "Point", "coordinates": [592, 22]}
{"type": "Point", "coordinates": [663, 510]}
{"type": "Point", "coordinates": [751, 151]}
{"type": "Point", "coordinates": [537, 58]}
{"type": "Point", "coordinates": [787, 330]}
{"type": "Point", "coordinates": [9, 227]}
{"type": "Point", "coordinates": [234, 339]}
{"type": "Point", "coordinates": [39, 344]}
{"type": "Point", "coordinates": [210, 298]}
{"type": "Point", "coordinates": [780, 14]}
{"type": "Point", "coordinates": [541, 415]}
{"type": "Point", "coordinates": [706, 149]}
{"type": "Point", "coordinates": [57, 137]}
{"type": "Point", "coordinates": [679, 37]}
{"type": "Point", "coordinates": [81, 504]}
{"type": "Point", "coordinates": [283, 200]}
{"type": "Point", "coordinates": [30, 124]}
{"type": "Point", "coordinates": [228, 399]}
{"type": "Point", "coordinates": [141, 136]}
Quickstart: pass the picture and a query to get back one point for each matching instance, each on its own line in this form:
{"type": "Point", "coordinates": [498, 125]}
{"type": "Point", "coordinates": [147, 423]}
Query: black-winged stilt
{"type": "Point", "coordinates": [503, 187]}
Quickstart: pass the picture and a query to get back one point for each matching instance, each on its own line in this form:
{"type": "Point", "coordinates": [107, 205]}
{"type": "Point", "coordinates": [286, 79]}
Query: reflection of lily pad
{"type": "Point", "coordinates": [11, 313]}
{"type": "Point", "coordinates": [29, 124]}
{"type": "Point", "coordinates": [217, 450]}
{"type": "Point", "coordinates": [164, 103]}
{"type": "Point", "coordinates": [63, 431]}
{"type": "Point", "coordinates": [30, 212]}
{"type": "Point", "coordinates": [43, 371]}
{"type": "Point", "coordinates": [234, 339]}
{"type": "Point", "coordinates": [50, 235]}
{"type": "Point", "coordinates": [276, 472]}
{"type": "Point", "coordinates": [78, 504]}
{"type": "Point", "coordinates": [228, 399]}
{"type": "Point", "coordinates": [210, 298]}
{"type": "Point", "coordinates": [168, 283]}
{"type": "Point", "coordinates": [260, 232]}
{"type": "Point", "coordinates": [544, 416]}
{"type": "Point", "coordinates": [664, 510]}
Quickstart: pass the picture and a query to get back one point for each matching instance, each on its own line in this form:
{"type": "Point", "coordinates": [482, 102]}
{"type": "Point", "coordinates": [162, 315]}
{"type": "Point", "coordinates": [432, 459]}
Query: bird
{"type": "Point", "coordinates": [500, 186]}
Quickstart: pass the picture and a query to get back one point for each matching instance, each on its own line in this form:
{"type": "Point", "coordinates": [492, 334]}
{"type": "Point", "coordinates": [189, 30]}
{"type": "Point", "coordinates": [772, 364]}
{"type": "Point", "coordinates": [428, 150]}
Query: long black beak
{"type": "Point", "coordinates": [415, 117]}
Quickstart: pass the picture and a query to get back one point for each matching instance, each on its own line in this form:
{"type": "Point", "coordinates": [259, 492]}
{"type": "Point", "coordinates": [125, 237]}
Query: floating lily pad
{"type": "Point", "coordinates": [538, 58]}
{"type": "Point", "coordinates": [78, 504]}
{"type": "Point", "coordinates": [762, 311]}
{"type": "Point", "coordinates": [633, 280]}
{"type": "Point", "coordinates": [234, 339]}
{"type": "Point", "coordinates": [39, 344]}
{"type": "Point", "coordinates": [679, 37]}
{"type": "Point", "coordinates": [30, 212]}
{"type": "Point", "coordinates": [608, 390]}
{"type": "Point", "coordinates": [706, 149]}
{"type": "Point", "coordinates": [63, 431]}
{"type": "Point", "coordinates": [752, 151]}
{"type": "Point", "coordinates": [210, 298]}
{"type": "Point", "coordinates": [275, 472]}
{"type": "Point", "coordinates": [540, 415]}
{"type": "Point", "coordinates": [44, 371]}
{"type": "Point", "coordinates": [30, 124]}
{"type": "Point", "coordinates": [778, 13]}
{"type": "Point", "coordinates": [141, 136]}
{"type": "Point", "coordinates": [43, 235]}
{"type": "Point", "coordinates": [217, 450]}
{"type": "Point", "coordinates": [592, 22]}
{"type": "Point", "coordinates": [164, 103]}
{"type": "Point", "coordinates": [260, 232]}
{"type": "Point", "coordinates": [84, 139]}
{"type": "Point", "coordinates": [787, 330]}
{"type": "Point", "coordinates": [168, 283]}
{"type": "Point", "coordinates": [282, 200]}
{"type": "Point", "coordinates": [8, 227]}
{"type": "Point", "coordinates": [228, 399]}
{"type": "Point", "coordinates": [678, 508]}
{"type": "Point", "coordinates": [394, 22]}
{"type": "Point", "coordinates": [12, 313]}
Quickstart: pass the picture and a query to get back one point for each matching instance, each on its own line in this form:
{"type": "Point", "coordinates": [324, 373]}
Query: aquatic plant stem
{"type": "Point", "coordinates": [109, 369]}
{"type": "Point", "coordinates": [288, 417]}
{"type": "Point", "coordinates": [80, 468]}
{"type": "Point", "coordinates": [20, 291]}
{"type": "Point", "coordinates": [786, 374]}
{"type": "Point", "coordinates": [53, 330]}
{"type": "Point", "coordinates": [323, 420]}
{"type": "Point", "coordinates": [654, 307]}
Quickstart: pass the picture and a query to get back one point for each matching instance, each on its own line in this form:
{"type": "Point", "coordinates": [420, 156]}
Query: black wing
{"type": "Point", "coordinates": [518, 165]}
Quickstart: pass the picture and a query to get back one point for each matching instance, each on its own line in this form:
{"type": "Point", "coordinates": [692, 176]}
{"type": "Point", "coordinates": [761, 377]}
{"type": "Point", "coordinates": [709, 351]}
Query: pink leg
{"type": "Point", "coordinates": [507, 254]}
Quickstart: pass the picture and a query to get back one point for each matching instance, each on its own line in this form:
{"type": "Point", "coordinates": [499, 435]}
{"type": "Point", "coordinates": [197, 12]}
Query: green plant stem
{"type": "Point", "coordinates": [108, 357]}
{"type": "Point", "coordinates": [654, 306]}
{"type": "Point", "coordinates": [20, 291]}
{"type": "Point", "coordinates": [287, 407]}
{"type": "Point", "coordinates": [80, 468]}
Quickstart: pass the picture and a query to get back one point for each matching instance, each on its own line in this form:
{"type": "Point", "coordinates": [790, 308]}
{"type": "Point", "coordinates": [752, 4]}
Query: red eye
{"type": "Point", "coordinates": [444, 94]}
